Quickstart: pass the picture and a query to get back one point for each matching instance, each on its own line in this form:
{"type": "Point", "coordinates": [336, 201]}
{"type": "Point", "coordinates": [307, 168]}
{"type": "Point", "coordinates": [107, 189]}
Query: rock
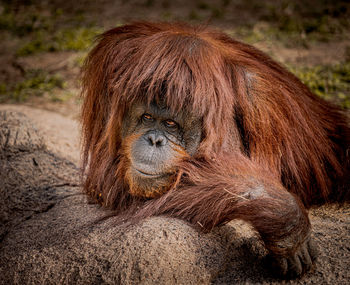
{"type": "Point", "coordinates": [18, 133]}
{"type": "Point", "coordinates": [51, 234]}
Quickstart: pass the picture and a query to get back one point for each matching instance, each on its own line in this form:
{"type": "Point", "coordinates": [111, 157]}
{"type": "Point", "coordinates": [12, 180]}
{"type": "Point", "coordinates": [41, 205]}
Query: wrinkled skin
{"type": "Point", "coordinates": [160, 139]}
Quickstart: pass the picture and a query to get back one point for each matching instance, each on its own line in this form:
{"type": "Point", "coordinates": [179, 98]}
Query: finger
{"type": "Point", "coordinates": [294, 266]}
{"type": "Point", "coordinates": [305, 258]}
{"type": "Point", "coordinates": [278, 265]}
{"type": "Point", "coordinates": [282, 264]}
{"type": "Point", "coordinates": [312, 249]}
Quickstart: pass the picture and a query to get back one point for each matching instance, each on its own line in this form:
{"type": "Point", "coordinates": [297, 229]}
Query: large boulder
{"type": "Point", "coordinates": [50, 234]}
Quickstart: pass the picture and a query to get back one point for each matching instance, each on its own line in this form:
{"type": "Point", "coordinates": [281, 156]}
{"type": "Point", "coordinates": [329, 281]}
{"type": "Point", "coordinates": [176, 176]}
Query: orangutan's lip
{"type": "Point", "coordinates": [150, 175]}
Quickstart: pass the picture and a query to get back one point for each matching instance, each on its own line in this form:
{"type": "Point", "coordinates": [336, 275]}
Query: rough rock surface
{"type": "Point", "coordinates": [50, 234]}
{"type": "Point", "coordinates": [60, 133]}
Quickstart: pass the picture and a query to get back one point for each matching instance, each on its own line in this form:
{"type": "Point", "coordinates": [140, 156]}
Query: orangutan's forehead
{"type": "Point", "coordinates": [182, 69]}
{"type": "Point", "coordinates": [159, 109]}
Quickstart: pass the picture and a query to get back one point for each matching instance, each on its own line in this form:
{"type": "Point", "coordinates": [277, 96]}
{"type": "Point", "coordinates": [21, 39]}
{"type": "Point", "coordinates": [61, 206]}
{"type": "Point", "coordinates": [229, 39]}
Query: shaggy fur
{"type": "Point", "coordinates": [263, 130]}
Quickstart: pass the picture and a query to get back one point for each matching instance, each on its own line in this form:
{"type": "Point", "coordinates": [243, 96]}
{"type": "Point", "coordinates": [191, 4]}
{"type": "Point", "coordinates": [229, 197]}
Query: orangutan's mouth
{"type": "Point", "coordinates": [149, 175]}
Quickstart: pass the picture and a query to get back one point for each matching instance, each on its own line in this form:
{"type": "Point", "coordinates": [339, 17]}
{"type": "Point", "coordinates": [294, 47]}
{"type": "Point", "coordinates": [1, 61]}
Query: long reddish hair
{"type": "Point", "coordinates": [259, 120]}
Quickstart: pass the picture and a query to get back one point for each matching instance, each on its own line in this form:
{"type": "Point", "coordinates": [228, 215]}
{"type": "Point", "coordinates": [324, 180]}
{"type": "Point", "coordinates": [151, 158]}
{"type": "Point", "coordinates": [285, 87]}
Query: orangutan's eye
{"type": "Point", "coordinates": [147, 117]}
{"type": "Point", "coordinates": [170, 124]}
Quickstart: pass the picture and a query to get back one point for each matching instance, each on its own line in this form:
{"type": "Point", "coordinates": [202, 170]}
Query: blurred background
{"type": "Point", "coordinates": [44, 43]}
